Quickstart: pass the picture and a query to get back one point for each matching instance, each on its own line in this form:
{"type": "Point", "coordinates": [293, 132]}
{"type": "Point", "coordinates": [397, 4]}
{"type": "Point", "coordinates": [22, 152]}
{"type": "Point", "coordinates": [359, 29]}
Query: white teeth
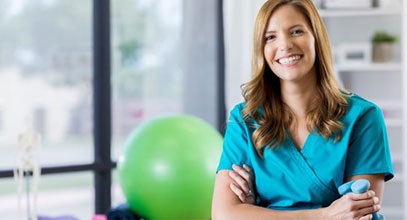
{"type": "Point", "coordinates": [289, 60]}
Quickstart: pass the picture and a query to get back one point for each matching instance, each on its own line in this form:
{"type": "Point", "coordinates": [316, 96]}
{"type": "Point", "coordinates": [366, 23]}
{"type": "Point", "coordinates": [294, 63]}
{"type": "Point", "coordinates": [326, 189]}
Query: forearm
{"type": "Point", "coordinates": [227, 206]}
{"type": "Point", "coordinates": [247, 211]}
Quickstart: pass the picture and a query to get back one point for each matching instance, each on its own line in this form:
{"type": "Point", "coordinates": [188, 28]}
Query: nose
{"type": "Point", "coordinates": [285, 43]}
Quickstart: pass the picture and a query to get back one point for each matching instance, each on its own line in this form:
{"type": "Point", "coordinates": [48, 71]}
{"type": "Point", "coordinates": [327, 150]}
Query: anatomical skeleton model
{"type": "Point", "coordinates": [29, 143]}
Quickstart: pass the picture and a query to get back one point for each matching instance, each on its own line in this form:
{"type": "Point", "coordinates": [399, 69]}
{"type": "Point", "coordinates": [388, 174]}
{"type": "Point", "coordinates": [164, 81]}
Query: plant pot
{"type": "Point", "coordinates": [384, 52]}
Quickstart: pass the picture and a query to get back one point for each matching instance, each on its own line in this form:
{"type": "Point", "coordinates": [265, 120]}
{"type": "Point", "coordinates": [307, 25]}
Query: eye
{"type": "Point", "coordinates": [297, 32]}
{"type": "Point", "coordinates": [269, 37]}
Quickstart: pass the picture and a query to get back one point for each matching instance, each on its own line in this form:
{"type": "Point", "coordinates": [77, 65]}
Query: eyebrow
{"type": "Point", "coordinates": [294, 26]}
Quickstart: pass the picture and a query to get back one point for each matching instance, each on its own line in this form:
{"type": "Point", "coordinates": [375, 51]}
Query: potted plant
{"type": "Point", "coordinates": [384, 47]}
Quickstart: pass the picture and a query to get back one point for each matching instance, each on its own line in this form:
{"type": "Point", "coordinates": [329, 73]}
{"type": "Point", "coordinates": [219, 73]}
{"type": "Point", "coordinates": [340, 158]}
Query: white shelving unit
{"type": "Point", "coordinates": [370, 67]}
{"type": "Point", "coordinates": [383, 83]}
{"type": "Point", "coordinates": [359, 12]}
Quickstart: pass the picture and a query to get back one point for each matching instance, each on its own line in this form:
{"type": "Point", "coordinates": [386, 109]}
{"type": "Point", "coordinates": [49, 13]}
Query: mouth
{"type": "Point", "coordinates": [289, 60]}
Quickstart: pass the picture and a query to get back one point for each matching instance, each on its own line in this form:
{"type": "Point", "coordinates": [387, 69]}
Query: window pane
{"type": "Point", "coordinates": [45, 78]}
{"type": "Point", "coordinates": [58, 195]}
{"type": "Point", "coordinates": [146, 50]}
{"type": "Point", "coordinates": [118, 196]}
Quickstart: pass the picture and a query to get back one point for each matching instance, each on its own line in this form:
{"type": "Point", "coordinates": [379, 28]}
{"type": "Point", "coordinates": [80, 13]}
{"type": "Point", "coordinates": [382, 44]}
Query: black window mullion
{"type": "Point", "coordinates": [56, 169]}
{"type": "Point", "coordinates": [101, 104]}
{"type": "Point", "coordinates": [221, 113]}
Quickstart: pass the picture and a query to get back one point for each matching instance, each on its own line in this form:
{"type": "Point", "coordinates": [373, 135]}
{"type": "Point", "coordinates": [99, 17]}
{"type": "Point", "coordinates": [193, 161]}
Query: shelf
{"type": "Point", "coordinates": [369, 67]}
{"type": "Point", "coordinates": [358, 12]}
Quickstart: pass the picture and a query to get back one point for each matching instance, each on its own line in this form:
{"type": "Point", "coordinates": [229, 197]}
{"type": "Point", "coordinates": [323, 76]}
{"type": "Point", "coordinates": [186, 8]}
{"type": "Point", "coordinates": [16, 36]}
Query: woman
{"type": "Point", "coordinates": [298, 136]}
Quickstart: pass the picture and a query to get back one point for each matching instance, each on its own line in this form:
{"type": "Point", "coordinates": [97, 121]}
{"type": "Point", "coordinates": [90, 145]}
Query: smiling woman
{"type": "Point", "coordinates": [298, 135]}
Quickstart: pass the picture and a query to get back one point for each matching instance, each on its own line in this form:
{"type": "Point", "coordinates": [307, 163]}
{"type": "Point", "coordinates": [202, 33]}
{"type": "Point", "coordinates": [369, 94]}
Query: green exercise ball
{"type": "Point", "coordinates": [167, 169]}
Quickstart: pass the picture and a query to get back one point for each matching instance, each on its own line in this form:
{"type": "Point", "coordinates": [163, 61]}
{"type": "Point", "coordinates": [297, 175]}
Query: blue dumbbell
{"type": "Point", "coordinates": [358, 186]}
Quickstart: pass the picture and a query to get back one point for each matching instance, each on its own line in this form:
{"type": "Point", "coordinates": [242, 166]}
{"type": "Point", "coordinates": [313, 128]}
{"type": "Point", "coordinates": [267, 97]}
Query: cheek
{"type": "Point", "coordinates": [268, 54]}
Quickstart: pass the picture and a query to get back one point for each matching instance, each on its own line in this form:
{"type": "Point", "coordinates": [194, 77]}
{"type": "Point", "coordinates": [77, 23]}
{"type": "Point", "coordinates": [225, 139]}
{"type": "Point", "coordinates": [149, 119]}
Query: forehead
{"type": "Point", "coordinates": [286, 16]}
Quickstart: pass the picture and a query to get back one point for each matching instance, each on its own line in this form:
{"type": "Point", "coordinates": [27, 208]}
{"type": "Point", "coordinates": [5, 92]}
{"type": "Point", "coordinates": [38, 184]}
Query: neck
{"type": "Point", "coordinates": [299, 96]}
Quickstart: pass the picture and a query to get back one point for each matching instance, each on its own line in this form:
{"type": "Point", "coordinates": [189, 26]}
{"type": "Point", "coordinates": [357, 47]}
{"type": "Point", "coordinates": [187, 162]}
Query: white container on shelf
{"type": "Point", "coordinates": [347, 4]}
{"type": "Point", "coordinates": [354, 53]}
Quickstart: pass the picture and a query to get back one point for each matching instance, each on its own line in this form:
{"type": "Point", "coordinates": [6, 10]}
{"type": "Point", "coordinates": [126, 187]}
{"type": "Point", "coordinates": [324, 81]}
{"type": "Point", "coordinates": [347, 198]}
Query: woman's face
{"type": "Point", "coordinates": [290, 45]}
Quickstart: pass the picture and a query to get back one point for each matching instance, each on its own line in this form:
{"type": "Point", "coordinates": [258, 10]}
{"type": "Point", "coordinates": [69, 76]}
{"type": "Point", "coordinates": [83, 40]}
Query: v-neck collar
{"type": "Point", "coordinates": [308, 141]}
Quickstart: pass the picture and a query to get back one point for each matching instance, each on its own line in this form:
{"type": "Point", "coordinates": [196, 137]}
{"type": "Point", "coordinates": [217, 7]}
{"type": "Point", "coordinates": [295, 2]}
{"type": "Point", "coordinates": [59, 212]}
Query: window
{"type": "Point", "coordinates": [46, 83]}
{"type": "Point", "coordinates": [147, 75]}
{"type": "Point", "coordinates": [46, 68]}
{"type": "Point", "coordinates": [47, 52]}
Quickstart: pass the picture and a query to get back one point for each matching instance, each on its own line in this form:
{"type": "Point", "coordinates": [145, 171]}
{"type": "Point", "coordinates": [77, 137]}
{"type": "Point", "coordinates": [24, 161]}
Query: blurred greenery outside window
{"type": "Point", "coordinates": [146, 70]}
{"type": "Point", "coordinates": [46, 77]}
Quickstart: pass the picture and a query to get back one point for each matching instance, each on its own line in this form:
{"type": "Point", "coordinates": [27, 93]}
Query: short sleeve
{"type": "Point", "coordinates": [369, 151]}
{"type": "Point", "coordinates": [235, 141]}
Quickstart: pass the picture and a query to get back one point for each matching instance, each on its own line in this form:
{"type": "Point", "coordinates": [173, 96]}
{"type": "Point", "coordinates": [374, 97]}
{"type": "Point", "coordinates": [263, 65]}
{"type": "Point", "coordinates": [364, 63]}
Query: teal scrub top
{"type": "Point", "coordinates": [289, 179]}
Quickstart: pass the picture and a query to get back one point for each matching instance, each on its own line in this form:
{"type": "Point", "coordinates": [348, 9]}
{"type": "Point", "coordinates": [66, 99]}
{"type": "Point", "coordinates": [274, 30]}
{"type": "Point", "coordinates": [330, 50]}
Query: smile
{"type": "Point", "coordinates": [289, 60]}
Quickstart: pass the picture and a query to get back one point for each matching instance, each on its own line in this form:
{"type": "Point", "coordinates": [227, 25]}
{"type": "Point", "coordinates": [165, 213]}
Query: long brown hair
{"type": "Point", "coordinates": [262, 94]}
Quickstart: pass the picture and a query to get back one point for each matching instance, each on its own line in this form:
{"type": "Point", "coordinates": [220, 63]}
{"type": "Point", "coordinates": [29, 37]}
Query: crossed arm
{"type": "Point", "coordinates": [230, 200]}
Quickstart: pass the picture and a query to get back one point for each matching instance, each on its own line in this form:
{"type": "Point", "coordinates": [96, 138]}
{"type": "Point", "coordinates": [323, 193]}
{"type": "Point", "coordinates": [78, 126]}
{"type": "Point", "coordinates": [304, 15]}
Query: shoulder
{"type": "Point", "coordinates": [236, 115]}
{"type": "Point", "coordinates": [359, 106]}
{"type": "Point", "coordinates": [237, 110]}
{"type": "Point", "coordinates": [239, 106]}
{"type": "Point", "coordinates": [359, 103]}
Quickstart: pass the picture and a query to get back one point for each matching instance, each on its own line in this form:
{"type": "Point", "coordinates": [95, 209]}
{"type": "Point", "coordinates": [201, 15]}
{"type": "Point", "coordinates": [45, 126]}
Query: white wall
{"type": "Point", "coordinates": [239, 18]}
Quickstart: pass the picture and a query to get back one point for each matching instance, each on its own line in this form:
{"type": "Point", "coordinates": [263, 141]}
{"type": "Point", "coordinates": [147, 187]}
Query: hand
{"type": "Point", "coordinates": [242, 185]}
{"type": "Point", "coordinates": [353, 207]}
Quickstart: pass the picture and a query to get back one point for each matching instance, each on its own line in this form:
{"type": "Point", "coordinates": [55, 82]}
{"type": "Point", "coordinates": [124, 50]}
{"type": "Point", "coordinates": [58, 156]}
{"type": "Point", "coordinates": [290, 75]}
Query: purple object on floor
{"type": "Point", "coordinates": [65, 217]}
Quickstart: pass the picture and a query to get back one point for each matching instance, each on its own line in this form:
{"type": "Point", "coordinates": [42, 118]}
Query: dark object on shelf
{"type": "Point", "coordinates": [122, 212]}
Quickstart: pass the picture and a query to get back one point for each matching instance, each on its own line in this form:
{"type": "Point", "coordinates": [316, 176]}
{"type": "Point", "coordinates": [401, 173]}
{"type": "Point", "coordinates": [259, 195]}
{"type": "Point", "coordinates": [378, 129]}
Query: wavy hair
{"type": "Point", "coordinates": [262, 95]}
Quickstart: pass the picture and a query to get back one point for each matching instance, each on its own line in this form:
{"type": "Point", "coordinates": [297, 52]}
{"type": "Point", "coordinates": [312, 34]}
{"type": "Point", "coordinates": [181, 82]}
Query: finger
{"type": "Point", "coordinates": [367, 203]}
{"type": "Point", "coordinates": [247, 168]}
{"type": "Point", "coordinates": [244, 175]}
{"type": "Point", "coordinates": [363, 196]}
{"type": "Point", "coordinates": [243, 184]}
{"type": "Point", "coordinates": [368, 210]}
{"type": "Point", "coordinates": [242, 172]}
{"type": "Point", "coordinates": [238, 192]}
